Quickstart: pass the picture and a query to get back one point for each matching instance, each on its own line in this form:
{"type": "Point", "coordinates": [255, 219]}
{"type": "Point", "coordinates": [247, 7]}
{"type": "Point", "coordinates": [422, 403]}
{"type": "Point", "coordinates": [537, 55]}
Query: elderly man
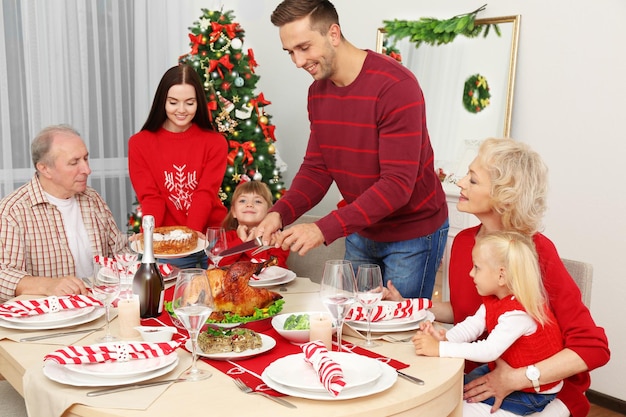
{"type": "Point", "coordinates": [51, 227]}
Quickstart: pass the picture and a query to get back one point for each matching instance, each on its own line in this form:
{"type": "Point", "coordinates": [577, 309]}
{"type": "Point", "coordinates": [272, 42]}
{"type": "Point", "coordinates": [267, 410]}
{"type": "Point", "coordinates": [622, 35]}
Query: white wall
{"type": "Point", "coordinates": [569, 100]}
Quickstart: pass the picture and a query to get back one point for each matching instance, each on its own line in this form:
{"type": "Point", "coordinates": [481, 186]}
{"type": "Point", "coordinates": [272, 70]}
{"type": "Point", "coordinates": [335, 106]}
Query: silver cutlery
{"type": "Point", "coordinates": [411, 378]}
{"type": "Point", "coordinates": [53, 335]}
{"type": "Point", "coordinates": [132, 387]}
{"type": "Point", "coordinates": [243, 387]}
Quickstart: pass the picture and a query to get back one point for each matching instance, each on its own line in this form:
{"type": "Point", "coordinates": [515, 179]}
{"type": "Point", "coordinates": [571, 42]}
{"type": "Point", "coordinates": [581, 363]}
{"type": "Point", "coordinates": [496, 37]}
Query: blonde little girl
{"type": "Point", "coordinates": [520, 327]}
{"type": "Point", "coordinates": [249, 205]}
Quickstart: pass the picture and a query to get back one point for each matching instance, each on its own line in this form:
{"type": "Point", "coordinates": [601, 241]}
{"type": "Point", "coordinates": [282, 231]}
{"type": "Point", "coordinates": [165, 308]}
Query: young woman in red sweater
{"type": "Point", "coordinates": [177, 161]}
{"type": "Point", "coordinates": [506, 188]}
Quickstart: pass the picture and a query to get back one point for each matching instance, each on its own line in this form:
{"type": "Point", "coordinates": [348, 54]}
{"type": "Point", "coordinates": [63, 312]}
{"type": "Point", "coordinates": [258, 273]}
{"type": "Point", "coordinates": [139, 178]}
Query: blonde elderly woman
{"type": "Point", "coordinates": [506, 188]}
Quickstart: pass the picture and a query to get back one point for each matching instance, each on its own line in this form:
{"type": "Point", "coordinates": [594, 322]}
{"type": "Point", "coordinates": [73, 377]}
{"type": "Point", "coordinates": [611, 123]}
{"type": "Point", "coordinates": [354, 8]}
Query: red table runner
{"type": "Point", "coordinates": [250, 370]}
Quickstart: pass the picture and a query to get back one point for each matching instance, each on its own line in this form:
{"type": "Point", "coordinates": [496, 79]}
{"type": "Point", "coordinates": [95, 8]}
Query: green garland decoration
{"type": "Point", "coordinates": [437, 32]}
{"type": "Point", "coordinates": [476, 94]}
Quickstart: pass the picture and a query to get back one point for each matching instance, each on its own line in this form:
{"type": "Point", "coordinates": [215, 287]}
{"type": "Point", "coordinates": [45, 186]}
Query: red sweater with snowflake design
{"type": "Point", "coordinates": [176, 176]}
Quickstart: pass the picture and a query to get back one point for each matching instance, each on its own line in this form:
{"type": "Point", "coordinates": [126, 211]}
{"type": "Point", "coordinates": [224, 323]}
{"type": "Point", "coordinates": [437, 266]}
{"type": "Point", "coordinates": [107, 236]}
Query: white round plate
{"type": "Point", "coordinates": [394, 325]}
{"type": "Point", "coordinates": [386, 381]}
{"type": "Point", "coordinates": [270, 274]}
{"type": "Point", "coordinates": [295, 372]}
{"type": "Point", "coordinates": [93, 315]}
{"type": "Point", "coordinates": [268, 343]}
{"type": "Point", "coordinates": [289, 276]}
{"type": "Point", "coordinates": [58, 373]}
{"type": "Point", "coordinates": [199, 247]}
{"type": "Point", "coordinates": [123, 369]}
{"type": "Point", "coordinates": [51, 318]}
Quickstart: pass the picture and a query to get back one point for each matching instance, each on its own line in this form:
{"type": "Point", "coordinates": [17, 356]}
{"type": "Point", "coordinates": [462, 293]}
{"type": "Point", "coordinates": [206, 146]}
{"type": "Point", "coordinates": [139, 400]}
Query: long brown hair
{"type": "Point", "coordinates": [180, 74]}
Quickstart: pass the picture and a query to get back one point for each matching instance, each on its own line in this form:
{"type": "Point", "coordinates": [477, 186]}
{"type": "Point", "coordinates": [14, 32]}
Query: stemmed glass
{"type": "Point", "coordinates": [193, 309]}
{"type": "Point", "coordinates": [215, 243]}
{"type": "Point", "coordinates": [338, 291]}
{"type": "Point", "coordinates": [369, 282]}
{"type": "Point", "coordinates": [105, 286]}
{"type": "Point", "coordinates": [126, 256]}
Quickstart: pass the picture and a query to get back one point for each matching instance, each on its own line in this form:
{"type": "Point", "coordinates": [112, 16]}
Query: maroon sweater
{"type": "Point", "coordinates": [370, 138]}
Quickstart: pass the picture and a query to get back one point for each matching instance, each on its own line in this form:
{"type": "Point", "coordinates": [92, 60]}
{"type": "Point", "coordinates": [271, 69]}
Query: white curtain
{"type": "Point", "coordinates": [93, 64]}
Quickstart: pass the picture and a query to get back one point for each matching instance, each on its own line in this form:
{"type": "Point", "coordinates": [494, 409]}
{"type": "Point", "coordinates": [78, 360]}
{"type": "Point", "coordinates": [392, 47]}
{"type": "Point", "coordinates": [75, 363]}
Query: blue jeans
{"type": "Point", "coordinates": [195, 260]}
{"type": "Point", "coordinates": [518, 402]}
{"type": "Point", "coordinates": [410, 264]}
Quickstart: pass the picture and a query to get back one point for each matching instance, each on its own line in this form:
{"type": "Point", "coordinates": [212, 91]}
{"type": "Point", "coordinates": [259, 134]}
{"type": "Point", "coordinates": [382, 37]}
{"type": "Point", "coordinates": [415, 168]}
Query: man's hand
{"type": "Point", "coordinates": [51, 286]}
{"type": "Point", "coordinates": [301, 238]}
{"type": "Point", "coordinates": [498, 384]}
{"type": "Point", "coordinates": [268, 227]}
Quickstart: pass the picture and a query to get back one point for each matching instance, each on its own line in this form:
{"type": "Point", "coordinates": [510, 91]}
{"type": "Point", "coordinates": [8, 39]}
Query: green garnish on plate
{"type": "Point", "coordinates": [259, 313]}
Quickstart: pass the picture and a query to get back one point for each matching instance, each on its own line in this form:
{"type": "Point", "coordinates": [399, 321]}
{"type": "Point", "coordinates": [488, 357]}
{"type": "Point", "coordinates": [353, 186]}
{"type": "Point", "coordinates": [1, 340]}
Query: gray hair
{"type": "Point", "coordinates": [40, 147]}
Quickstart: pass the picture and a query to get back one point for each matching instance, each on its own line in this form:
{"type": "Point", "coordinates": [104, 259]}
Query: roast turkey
{"type": "Point", "coordinates": [231, 292]}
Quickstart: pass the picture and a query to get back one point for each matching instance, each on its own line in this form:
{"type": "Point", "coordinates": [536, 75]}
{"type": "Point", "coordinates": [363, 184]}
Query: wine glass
{"type": "Point", "coordinates": [369, 286]}
{"type": "Point", "coordinates": [105, 286]}
{"type": "Point", "coordinates": [126, 256]}
{"type": "Point", "coordinates": [215, 243]}
{"type": "Point", "coordinates": [193, 309]}
{"type": "Point", "coordinates": [338, 291]}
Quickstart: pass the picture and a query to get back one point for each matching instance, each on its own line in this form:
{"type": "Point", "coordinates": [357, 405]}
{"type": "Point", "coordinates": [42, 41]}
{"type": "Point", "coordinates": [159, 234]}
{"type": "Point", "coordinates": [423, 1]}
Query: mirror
{"type": "Point", "coordinates": [445, 72]}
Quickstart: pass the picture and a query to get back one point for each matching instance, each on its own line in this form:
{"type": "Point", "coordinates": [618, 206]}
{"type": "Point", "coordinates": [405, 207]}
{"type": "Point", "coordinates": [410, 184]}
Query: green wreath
{"type": "Point", "coordinates": [476, 94]}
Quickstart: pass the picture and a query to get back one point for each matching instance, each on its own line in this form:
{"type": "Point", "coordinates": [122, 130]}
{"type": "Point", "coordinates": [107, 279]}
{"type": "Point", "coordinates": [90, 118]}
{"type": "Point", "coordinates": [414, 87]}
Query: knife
{"type": "Point", "coordinates": [244, 247]}
{"type": "Point", "coordinates": [51, 335]}
{"type": "Point", "coordinates": [410, 378]}
{"type": "Point", "coordinates": [132, 387]}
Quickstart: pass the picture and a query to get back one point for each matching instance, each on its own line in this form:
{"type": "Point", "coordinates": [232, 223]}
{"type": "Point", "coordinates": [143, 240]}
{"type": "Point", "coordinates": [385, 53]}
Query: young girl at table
{"type": "Point", "coordinates": [521, 329]}
{"type": "Point", "coordinates": [250, 203]}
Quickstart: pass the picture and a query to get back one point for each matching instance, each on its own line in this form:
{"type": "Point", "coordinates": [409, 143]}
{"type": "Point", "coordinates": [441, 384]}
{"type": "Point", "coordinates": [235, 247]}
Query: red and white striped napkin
{"type": "Point", "coordinates": [111, 352]}
{"type": "Point", "coordinates": [388, 311]}
{"type": "Point", "coordinates": [52, 304]}
{"type": "Point", "coordinates": [165, 269]}
{"type": "Point", "coordinates": [328, 371]}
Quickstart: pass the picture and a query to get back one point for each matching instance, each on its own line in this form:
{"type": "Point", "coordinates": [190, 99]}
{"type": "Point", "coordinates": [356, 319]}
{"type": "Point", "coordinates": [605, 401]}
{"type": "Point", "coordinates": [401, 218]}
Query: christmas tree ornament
{"type": "Point", "coordinates": [236, 43]}
{"type": "Point", "coordinates": [227, 73]}
{"type": "Point", "coordinates": [271, 149]}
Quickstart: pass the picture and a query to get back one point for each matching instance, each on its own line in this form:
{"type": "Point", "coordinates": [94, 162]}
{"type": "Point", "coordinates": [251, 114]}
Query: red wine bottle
{"type": "Point", "coordinates": [148, 281]}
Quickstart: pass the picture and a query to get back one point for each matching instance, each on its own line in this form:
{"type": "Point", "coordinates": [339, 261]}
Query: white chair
{"type": "Point", "coordinates": [582, 273]}
{"type": "Point", "coordinates": [311, 265]}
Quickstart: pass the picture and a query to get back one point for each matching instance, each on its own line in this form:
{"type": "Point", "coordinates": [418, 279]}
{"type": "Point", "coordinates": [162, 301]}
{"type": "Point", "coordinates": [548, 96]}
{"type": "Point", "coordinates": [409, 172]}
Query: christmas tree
{"type": "Point", "coordinates": [229, 78]}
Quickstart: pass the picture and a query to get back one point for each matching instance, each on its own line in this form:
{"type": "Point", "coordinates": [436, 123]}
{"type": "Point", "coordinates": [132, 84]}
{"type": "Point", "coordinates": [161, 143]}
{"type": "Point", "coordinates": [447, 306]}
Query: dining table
{"type": "Point", "coordinates": [21, 365]}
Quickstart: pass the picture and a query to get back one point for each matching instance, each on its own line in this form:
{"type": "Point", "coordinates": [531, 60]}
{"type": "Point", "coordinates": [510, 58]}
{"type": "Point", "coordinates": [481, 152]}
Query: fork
{"type": "Point", "coordinates": [243, 387]}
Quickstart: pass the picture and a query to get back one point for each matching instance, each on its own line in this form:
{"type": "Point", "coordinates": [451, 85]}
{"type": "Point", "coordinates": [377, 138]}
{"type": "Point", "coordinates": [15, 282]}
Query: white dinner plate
{"type": "Point", "coordinates": [51, 318]}
{"type": "Point", "coordinates": [60, 374]}
{"type": "Point", "coordinates": [270, 273]}
{"type": "Point", "coordinates": [93, 315]}
{"type": "Point", "coordinates": [126, 369]}
{"type": "Point", "coordinates": [295, 372]}
{"type": "Point", "coordinates": [386, 381]}
{"type": "Point", "coordinates": [394, 325]}
{"type": "Point", "coordinates": [289, 276]}
{"type": "Point", "coordinates": [199, 247]}
{"type": "Point", "coordinates": [268, 343]}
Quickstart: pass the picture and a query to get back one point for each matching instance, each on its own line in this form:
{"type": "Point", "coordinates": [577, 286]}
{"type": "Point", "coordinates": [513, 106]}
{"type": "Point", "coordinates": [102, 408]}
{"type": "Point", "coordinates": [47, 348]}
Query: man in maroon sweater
{"type": "Point", "coordinates": [369, 136]}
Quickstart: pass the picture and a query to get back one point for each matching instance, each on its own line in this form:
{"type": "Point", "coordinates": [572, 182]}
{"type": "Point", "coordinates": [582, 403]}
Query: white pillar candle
{"type": "Point", "coordinates": [128, 316]}
{"type": "Point", "coordinates": [321, 328]}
